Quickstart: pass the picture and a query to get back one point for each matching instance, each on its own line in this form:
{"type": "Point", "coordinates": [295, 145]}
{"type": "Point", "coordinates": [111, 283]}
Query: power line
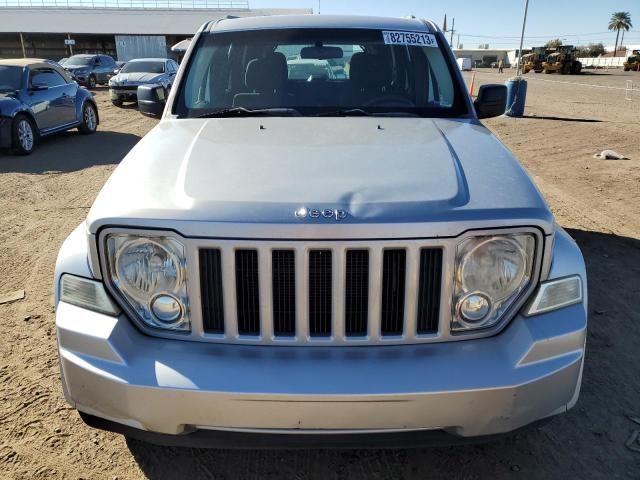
{"type": "Point", "coordinates": [537, 36]}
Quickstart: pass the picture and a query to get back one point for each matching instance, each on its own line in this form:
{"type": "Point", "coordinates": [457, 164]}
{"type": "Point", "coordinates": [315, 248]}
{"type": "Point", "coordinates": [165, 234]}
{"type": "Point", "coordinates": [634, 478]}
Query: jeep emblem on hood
{"type": "Point", "coordinates": [337, 214]}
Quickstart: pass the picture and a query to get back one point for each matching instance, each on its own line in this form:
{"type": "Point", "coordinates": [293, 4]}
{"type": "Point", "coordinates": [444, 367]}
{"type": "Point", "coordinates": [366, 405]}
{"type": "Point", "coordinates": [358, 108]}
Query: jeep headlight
{"type": "Point", "coordinates": [490, 274]}
{"type": "Point", "coordinates": [149, 274]}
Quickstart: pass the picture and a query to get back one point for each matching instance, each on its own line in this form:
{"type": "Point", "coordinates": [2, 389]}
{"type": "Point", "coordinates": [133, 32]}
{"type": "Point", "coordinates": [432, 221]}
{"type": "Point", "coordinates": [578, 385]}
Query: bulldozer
{"type": "Point", "coordinates": [562, 60]}
{"type": "Point", "coordinates": [534, 60]}
{"type": "Point", "coordinates": [633, 62]}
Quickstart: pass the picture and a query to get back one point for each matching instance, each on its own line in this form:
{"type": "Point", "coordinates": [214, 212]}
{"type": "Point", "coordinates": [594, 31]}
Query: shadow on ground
{"type": "Point", "coordinates": [70, 151]}
{"type": "Point", "coordinates": [563, 119]}
{"type": "Point", "coordinates": [588, 442]}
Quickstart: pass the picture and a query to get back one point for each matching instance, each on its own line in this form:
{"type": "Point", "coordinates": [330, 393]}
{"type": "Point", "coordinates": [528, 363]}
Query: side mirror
{"type": "Point", "coordinates": [491, 101]}
{"type": "Point", "coordinates": [151, 100]}
{"type": "Point", "coordinates": [38, 87]}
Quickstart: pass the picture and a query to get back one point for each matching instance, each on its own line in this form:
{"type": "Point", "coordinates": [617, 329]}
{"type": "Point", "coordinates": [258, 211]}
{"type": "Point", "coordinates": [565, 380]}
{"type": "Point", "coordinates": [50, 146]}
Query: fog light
{"type": "Point", "coordinates": [474, 307]}
{"type": "Point", "coordinates": [166, 309]}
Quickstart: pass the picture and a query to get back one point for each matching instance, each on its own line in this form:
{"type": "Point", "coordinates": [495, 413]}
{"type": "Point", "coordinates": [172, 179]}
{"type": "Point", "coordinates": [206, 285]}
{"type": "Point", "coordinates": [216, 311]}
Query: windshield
{"type": "Point", "coordinates": [78, 61]}
{"type": "Point", "coordinates": [143, 67]}
{"type": "Point", "coordinates": [10, 78]}
{"type": "Point", "coordinates": [320, 72]}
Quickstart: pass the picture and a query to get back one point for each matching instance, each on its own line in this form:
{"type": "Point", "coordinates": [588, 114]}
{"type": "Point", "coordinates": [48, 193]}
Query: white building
{"type": "Point", "coordinates": [31, 28]}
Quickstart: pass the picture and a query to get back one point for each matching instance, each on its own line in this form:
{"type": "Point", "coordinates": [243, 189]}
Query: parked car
{"type": "Point", "coordinates": [344, 262]}
{"type": "Point", "coordinates": [142, 71]}
{"type": "Point", "coordinates": [39, 98]}
{"type": "Point", "coordinates": [90, 70]}
{"type": "Point", "coordinates": [310, 70]}
{"type": "Point", "coordinates": [62, 61]}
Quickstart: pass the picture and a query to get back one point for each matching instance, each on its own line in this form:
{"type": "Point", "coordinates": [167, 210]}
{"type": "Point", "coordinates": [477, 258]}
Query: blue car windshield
{"type": "Point", "coordinates": [10, 78]}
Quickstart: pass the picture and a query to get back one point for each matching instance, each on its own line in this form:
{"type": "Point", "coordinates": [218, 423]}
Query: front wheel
{"type": "Point", "coordinates": [91, 82]}
{"type": "Point", "coordinates": [23, 138]}
{"type": "Point", "coordinates": [89, 122]}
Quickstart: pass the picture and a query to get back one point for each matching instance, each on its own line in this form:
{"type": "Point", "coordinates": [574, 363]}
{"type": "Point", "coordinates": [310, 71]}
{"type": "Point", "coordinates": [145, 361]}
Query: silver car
{"type": "Point", "coordinates": [142, 71]}
{"type": "Point", "coordinates": [320, 262]}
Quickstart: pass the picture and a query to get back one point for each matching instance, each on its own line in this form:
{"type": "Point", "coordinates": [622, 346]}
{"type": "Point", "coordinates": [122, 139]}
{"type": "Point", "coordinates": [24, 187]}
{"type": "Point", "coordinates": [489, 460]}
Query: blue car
{"type": "Point", "coordinates": [39, 98]}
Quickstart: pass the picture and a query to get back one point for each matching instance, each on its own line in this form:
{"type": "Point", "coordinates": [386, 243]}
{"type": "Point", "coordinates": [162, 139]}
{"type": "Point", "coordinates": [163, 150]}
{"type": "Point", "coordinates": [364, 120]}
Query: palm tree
{"type": "Point", "coordinates": [620, 21]}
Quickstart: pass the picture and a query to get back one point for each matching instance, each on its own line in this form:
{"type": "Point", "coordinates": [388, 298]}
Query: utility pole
{"type": "Point", "coordinates": [458, 42]}
{"type": "Point", "coordinates": [524, 24]}
{"type": "Point", "coordinates": [70, 46]}
{"type": "Point", "coordinates": [319, 5]}
{"type": "Point", "coordinates": [453, 24]}
{"type": "Point", "coordinates": [24, 53]}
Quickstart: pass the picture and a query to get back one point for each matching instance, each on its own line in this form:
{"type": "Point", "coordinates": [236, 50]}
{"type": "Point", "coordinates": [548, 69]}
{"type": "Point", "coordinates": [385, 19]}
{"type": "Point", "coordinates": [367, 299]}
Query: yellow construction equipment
{"type": "Point", "coordinates": [533, 61]}
{"type": "Point", "coordinates": [633, 62]}
{"type": "Point", "coordinates": [563, 61]}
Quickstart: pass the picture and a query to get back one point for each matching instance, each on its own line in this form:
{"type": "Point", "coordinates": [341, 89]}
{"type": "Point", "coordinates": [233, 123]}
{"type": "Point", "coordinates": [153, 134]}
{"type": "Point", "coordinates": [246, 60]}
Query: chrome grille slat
{"type": "Point", "coordinates": [338, 288]}
{"type": "Point", "coordinates": [229, 292]}
{"type": "Point", "coordinates": [375, 292]}
{"type": "Point", "coordinates": [265, 286]}
{"type": "Point", "coordinates": [411, 288]}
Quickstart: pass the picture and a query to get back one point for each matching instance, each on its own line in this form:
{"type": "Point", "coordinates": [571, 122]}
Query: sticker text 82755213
{"type": "Point", "coordinates": [409, 38]}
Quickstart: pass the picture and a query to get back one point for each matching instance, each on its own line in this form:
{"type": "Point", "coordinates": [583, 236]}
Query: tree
{"type": "Point", "coordinates": [553, 43]}
{"type": "Point", "coordinates": [620, 21]}
{"type": "Point", "coordinates": [591, 50]}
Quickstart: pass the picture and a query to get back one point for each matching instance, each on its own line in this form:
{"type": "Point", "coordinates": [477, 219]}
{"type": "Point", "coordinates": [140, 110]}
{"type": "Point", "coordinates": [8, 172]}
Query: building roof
{"type": "Point", "coordinates": [319, 21]}
{"type": "Point", "coordinates": [121, 21]}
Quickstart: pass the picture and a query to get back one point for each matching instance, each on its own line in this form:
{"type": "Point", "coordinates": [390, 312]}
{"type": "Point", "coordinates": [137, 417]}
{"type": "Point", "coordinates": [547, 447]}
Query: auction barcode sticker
{"type": "Point", "coordinates": [410, 38]}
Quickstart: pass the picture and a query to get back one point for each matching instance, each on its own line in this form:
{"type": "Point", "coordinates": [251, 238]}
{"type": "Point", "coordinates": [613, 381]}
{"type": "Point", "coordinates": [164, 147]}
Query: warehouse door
{"type": "Point", "coordinates": [129, 47]}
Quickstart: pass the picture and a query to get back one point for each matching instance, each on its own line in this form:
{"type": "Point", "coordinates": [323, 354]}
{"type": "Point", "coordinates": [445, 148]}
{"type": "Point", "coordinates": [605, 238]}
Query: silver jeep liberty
{"type": "Point", "coordinates": [319, 244]}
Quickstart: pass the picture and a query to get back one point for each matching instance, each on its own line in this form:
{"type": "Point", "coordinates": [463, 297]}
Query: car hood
{"type": "Point", "coordinates": [246, 177]}
{"type": "Point", "coordinates": [138, 77]}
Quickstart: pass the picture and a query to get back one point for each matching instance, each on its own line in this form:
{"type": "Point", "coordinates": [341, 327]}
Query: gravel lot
{"type": "Point", "coordinates": [43, 197]}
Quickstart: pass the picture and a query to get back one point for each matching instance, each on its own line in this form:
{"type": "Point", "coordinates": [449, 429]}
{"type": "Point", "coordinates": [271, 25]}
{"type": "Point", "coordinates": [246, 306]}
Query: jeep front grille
{"type": "Point", "coordinates": [320, 295]}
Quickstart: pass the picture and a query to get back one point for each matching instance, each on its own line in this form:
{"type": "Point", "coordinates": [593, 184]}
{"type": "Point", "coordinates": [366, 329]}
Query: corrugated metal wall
{"type": "Point", "coordinates": [129, 47]}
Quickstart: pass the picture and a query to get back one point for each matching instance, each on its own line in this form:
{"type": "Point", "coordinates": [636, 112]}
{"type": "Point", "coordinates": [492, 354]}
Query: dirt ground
{"type": "Point", "coordinates": [43, 197]}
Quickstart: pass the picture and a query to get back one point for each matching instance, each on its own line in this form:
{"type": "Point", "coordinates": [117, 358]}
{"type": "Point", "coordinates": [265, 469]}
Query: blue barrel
{"type": "Point", "coordinates": [516, 96]}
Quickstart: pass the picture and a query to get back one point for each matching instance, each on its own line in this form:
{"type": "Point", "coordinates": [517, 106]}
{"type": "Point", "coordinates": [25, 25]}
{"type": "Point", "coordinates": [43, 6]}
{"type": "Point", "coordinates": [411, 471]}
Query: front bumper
{"type": "Point", "coordinates": [530, 371]}
{"type": "Point", "coordinates": [123, 94]}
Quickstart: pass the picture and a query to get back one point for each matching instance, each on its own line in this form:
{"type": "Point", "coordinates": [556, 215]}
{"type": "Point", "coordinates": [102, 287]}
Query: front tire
{"type": "Point", "coordinates": [89, 122]}
{"type": "Point", "coordinates": [117, 103]}
{"type": "Point", "coordinates": [91, 82]}
{"type": "Point", "coordinates": [23, 135]}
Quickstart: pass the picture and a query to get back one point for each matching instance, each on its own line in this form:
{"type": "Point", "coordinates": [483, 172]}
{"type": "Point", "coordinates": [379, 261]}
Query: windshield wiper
{"type": "Point", "coordinates": [360, 112]}
{"type": "Point", "coordinates": [245, 112]}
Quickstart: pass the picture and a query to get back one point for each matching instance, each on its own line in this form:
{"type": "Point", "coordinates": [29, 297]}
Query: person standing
{"type": "Point", "coordinates": [501, 66]}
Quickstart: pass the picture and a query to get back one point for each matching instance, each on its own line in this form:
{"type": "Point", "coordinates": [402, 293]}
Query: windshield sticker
{"type": "Point", "coordinates": [410, 38]}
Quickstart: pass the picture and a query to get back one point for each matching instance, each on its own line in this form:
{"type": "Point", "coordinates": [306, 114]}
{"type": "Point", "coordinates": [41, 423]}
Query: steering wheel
{"type": "Point", "coordinates": [390, 101]}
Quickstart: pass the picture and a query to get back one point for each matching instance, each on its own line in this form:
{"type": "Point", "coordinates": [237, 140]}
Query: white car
{"type": "Point", "coordinates": [123, 87]}
{"type": "Point", "coordinates": [353, 261]}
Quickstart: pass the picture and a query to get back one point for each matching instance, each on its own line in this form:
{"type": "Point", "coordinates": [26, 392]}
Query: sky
{"type": "Point", "coordinates": [497, 23]}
